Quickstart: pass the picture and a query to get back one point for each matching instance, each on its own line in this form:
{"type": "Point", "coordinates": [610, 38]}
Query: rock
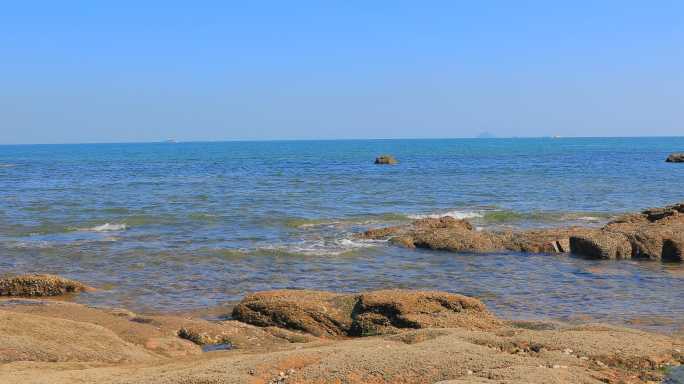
{"type": "Point", "coordinates": [386, 160]}
{"type": "Point", "coordinates": [315, 312]}
{"type": "Point", "coordinates": [372, 313]}
{"type": "Point", "coordinates": [390, 311]}
{"type": "Point", "coordinates": [445, 233]}
{"type": "Point", "coordinates": [25, 337]}
{"type": "Point", "coordinates": [675, 158]}
{"type": "Point", "coordinates": [602, 245]}
{"type": "Point", "coordinates": [673, 249]}
{"type": "Point", "coordinates": [101, 347]}
{"type": "Point", "coordinates": [39, 285]}
{"type": "Point", "coordinates": [654, 233]}
{"type": "Point", "coordinates": [456, 235]}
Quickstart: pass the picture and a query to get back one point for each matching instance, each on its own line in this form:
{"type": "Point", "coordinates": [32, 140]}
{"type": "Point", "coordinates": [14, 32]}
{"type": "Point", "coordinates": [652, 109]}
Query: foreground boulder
{"type": "Point", "coordinates": [39, 285]}
{"type": "Point", "coordinates": [373, 313]}
{"type": "Point", "coordinates": [675, 158]}
{"type": "Point", "coordinates": [315, 312]}
{"type": "Point", "coordinates": [386, 160]}
{"type": "Point", "coordinates": [390, 311]}
{"type": "Point", "coordinates": [58, 342]}
{"type": "Point", "coordinates": [25, 337]}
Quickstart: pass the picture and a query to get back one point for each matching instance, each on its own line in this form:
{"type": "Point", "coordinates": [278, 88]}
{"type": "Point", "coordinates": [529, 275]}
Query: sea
{"type": "Point", "coordinates": [183, 226]}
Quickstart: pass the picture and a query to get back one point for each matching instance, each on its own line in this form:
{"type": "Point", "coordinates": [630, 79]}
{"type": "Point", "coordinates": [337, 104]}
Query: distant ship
{"type": "Point", "coordinates": [171, 141]}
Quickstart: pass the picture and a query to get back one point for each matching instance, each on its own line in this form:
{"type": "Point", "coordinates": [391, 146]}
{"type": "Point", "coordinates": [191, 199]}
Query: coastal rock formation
{"type": "Point", "coordinates": [656, 234]}
{"type": "Point", "coordinates": [458, 235]}
{"type": "Point", "coordinates": [386, 160]}
{"type": "Point", "coordinates": [675, 158]}
{"type": "Point", "coordinates": [39, 285]}
{"type": "Point", "coordinates": [391, 311]}
{"type": "Point", "coordinates": [315, 312]}
{"type": "Point", "coordinates": [25, 337]}
{"type": "Point", "coordinates": [372, 313]}
{"type": "Point", "coordinates": [601, 245]}
{"type": "Point", "coordinates": [59, 342]}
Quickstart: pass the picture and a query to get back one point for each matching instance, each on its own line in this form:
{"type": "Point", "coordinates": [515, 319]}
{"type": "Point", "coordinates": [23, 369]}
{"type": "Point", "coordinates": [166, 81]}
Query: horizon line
{"type": "Point", "coordinates": [176, 141]}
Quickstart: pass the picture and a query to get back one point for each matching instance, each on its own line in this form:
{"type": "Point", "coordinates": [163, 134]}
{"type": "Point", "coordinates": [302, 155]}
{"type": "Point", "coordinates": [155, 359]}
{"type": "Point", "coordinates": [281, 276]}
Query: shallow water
{"type": "Point", "coordinates": [183, 226]}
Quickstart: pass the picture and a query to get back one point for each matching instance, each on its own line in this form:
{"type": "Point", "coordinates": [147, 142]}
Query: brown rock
{"type": "Point", "coordinates": [386, 160]}
{"type": "Point", "coordinates": [315, 312]}
{"type": "Point", "coordinates": [675, 158]}
{"type": "Point", "coordinates": [602, 245]}
{"type": "Point", "coordinates": [372, 313]}
{"type": "Point", "coordinates": [389, 311]}
{"type": "Point", "coordinates": [25, 337]}
{"type": "Point", "coordinates": [450, 234]}
{"type": "Point", "coordinates": [653, 233]}
{"type": "Point", "coordinates": [673, 249]}
{"type": "Point", "coordinates": [39, 285]}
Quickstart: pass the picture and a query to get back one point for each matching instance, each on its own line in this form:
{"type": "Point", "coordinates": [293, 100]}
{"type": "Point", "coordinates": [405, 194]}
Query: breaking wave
{"type": "Point", "coordinates": [107, 227]}
{"type": "Point", "coordinates": [456, 214]}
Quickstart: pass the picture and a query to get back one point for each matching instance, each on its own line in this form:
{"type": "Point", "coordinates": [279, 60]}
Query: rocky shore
{"type": "Point", "coordinates": [298, 336]}
{"type": "Point", "coordinates": [656, 234]}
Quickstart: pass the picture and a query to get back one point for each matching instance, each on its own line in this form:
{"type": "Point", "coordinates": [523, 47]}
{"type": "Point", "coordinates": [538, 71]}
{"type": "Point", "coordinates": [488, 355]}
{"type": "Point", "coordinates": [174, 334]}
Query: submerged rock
{"type": "Point", "coordinates": [39, 285]}
{"type": "Point", "coordinates": [372, 313]}
{"type": "Point", "coordinates": [675, 158]}
{"type": "Point", "coordinates": [386, 160]}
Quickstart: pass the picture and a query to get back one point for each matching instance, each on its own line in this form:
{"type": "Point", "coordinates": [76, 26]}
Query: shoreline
{"type": "Point", "coordinates": [293, 336]}
{"type": "Point", "coordinates": [382, 336]}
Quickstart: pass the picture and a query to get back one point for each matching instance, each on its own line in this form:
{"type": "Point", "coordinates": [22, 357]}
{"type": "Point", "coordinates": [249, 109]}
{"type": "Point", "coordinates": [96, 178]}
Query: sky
{"type": "Point", "coordinates": [122, 71]}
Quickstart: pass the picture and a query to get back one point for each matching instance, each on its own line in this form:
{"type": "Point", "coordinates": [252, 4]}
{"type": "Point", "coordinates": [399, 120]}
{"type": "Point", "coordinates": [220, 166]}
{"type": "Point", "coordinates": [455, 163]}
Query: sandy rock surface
{"type": "Point", "coordinates": [428, 337]}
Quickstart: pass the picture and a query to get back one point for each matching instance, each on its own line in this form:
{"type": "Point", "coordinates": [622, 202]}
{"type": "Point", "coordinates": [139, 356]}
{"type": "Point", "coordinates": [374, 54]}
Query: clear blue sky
{"type": "Point", "coordinates": [83, 71]}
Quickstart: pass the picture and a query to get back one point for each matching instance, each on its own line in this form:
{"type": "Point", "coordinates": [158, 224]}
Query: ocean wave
{"type": "Point", "coordinates": [334, 247]}
{"type": "Point", "coordinates": [456, 214]}
{"type": "Point", "coordinates": [297, 222]}
{"type": "Point", "coordinates": [107, 227]}
{"type": "Point", "coordinates": [496, 216]}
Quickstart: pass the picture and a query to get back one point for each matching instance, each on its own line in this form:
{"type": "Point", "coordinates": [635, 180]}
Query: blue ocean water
{"type": "Point", "coordinates": [168, 226]}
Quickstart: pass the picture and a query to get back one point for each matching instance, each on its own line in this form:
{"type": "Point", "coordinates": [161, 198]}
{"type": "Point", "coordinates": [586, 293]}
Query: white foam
{"type": "Point", "coordinates": [107, 227]}
{"type": "Point", "coordinates": [589, 218]}
{"type": "Point", "coordinates": [325, 247]}
{"type": "Point", "coordinates": [455, 214]}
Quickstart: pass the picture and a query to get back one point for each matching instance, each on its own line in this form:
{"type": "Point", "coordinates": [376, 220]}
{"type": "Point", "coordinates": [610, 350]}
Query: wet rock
{"type": "Point", "coordinates": [602, 245]}
{"type": "Point", "coordinates": [456, 235]}
{"type": "Point", "coordinates": [675, 158]}
{"type": "Point", "coordinates": [39, 285]}
{"type": "Point", "coordinates": [390, 311]}
{"type": "Point", "coordinates": [315, 312]}
{"type": "Point", "coordinates": [654, 233]}
{"type": "Point", "coordinates": [673, 249]}
{"type": "Point", "coordinates": [372, 313]}
{"type": "Point", "coordinates": [446, 233]}
{"type": "Point", "coordinates": [386, 160]}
